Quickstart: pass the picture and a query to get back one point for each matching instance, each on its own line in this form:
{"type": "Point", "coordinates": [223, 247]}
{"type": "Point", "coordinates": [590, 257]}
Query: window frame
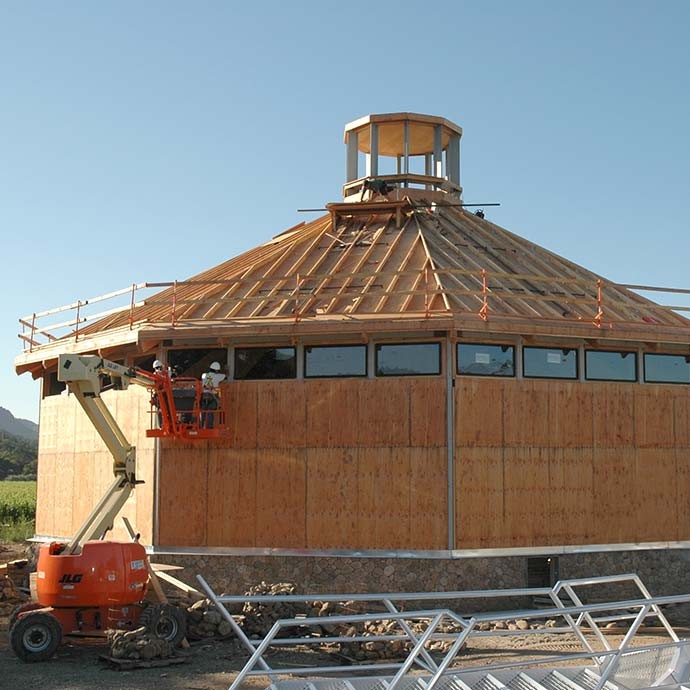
{"type": "Point", "coordinates": [378, 346]}
{"type": "Point", "coordinates": [663, 354]}
{"type": "Point", "coordinates": [335, 376]}
{"type": "Point", "coordinates": [576, 349]}
{"type": "Point", "coordinates": [615, 352]}
{"type": "Point", "coordinates": [513, 346]}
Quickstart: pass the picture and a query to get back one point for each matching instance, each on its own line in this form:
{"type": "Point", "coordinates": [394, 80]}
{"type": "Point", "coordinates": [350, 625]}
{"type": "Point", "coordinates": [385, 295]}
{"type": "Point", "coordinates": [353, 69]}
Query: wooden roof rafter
{"type": "Point", "coordinates": [303, 309]}
{"type": "Point", "coordinates": [379, 269]}
{"type": "Point", "coordinates": [329, 308]}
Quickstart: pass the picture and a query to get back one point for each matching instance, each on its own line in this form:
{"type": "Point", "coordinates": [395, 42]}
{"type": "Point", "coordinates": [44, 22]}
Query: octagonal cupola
{"type": "Point", "coordinates": [397, 152]}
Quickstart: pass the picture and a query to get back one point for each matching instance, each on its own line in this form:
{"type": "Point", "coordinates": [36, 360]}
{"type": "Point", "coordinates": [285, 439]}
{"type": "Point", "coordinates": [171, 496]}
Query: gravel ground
{"type": "Point", "coordinates": [214, 665]}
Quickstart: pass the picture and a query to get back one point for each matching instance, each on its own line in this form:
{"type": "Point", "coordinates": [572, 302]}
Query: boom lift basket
{"type": "Point", "coordinates": [182, 408]}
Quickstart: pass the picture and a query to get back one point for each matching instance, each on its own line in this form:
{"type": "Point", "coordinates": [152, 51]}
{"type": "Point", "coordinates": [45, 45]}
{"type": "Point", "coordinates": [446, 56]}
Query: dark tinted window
{"type": "Point", "coordinates": [666, 368]}
{"type": "Point", "coordinates": [549, 362]}
{"type": "Point", "coordinates": [335, 360]}
{"type": "Point", "coordinates": [265, 363]}
{"type": "Point", "coordinates": [610, 366]}
{"type": "Point", "coordinates": [193, 362]}
{"type": "Point", "coordinates": [486, 360]}
{"type": "Point", "coordinates": [51, 385]}
{"type": "Point", "coordinates": [408, 359]}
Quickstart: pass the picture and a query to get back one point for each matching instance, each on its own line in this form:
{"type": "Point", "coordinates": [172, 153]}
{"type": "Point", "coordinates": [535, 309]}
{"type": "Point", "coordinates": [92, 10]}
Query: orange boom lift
{"type": "Point", "coordinates": [90, 585]}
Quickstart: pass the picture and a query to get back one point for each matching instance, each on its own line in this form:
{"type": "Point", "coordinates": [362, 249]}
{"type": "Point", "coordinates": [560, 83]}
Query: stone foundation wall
{"type": "Point", "coordinates": [664, 572]}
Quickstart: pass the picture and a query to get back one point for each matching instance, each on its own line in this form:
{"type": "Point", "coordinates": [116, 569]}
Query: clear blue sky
{"type": "Point", "coordinates": [150, 140]}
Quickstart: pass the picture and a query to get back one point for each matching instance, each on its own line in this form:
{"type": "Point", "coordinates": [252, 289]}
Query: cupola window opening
{"type": "Point", "coordinates": [550, 362]}
{"type": "Point", "coordinates": [333, 361]}
{"type": "Point", "coordinates": [664, 368]}
{"type": "Point", "coordinates": [474, 359]}
{"type": "Point", "coordinates": [408, 359]}
{"type": "Point", "coordinates": [608, 365]}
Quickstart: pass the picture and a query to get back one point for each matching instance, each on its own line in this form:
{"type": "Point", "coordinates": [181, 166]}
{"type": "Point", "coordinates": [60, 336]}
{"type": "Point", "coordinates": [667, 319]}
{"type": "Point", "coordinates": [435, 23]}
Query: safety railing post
{"type": "Point", "coordinates": [33, 332]}
{"type": "Point", "coordinates": [131, 307]}
{"type": "Point", "coordinates": [76, 329]}
{"type": "Point", "coordinates": [297, 288]}
{"type": "Point", "coordinates": [484, 311]}
{"type": "Point", "coordinates": [600, 306]}
{"type": "Point", "coordinates": [173, 314]}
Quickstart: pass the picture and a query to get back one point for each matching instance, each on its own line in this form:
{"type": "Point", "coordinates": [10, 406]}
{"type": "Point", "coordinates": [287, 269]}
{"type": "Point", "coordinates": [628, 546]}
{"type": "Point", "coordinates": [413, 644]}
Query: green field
{"type": "Point", "coordinates": [17, 510]}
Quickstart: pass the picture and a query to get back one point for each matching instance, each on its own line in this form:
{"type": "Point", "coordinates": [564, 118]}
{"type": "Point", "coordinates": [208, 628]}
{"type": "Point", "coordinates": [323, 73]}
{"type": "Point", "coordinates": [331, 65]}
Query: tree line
{"type": "Point", "coordinates": [18, 457]}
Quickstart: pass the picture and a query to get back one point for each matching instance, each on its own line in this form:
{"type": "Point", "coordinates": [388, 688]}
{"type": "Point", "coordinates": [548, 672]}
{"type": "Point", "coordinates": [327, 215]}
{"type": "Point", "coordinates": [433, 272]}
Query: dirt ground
{"type": "Point", "coordinates": [213, 665]}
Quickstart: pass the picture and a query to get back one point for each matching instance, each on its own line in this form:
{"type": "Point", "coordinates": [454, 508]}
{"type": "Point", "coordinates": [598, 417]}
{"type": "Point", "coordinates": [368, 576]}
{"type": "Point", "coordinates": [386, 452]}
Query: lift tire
{"type": "Point", "coordinates": [165, 621]}
{"type": "Point", "coordinates": [22, 608]}
{"type": "Point", "coordinates": [36, 636]}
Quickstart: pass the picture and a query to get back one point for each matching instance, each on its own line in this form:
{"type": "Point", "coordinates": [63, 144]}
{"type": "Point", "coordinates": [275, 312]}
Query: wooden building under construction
{"type": "Point", "coordinates": [405, 378]}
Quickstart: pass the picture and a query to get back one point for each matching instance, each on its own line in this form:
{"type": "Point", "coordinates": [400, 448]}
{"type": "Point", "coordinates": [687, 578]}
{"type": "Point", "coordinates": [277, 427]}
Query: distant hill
{"type": "Point", "coordinates": [23, 428]}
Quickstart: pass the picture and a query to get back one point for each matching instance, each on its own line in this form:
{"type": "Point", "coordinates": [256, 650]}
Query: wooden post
{"type": "Point", "coordinates": [131, 308]}
{"type": "Point", "coordinates": [76, 329]}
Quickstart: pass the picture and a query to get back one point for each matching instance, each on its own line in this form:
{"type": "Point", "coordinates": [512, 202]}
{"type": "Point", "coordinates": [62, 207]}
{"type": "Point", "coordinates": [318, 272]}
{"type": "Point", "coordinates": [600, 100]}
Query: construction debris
{"type": "Point", "coordinates": [138, 644]}
{"type": "Point", "coordinates": [204, 621]}
{"type": "Point", "coordinates": [259, 617]}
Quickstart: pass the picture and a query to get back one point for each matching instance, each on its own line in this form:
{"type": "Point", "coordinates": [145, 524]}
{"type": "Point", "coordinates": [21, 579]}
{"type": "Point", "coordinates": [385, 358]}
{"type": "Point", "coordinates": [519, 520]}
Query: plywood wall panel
{"type": "Point", "coordinates": [384, 413]}
{"type": "Point", "coordinates": [479, 498]}
{"type": "Point", "coordinates": [654, 417]}
{"type": "Point", "coordinates": [681, 418]}
{"type": "Point", "coordinates": [281, 498]}
{"type": "Point", "coordinates": [479, 411]}
{"type": "Point", "coordinates": [282, 421]}
{"type": "Point", "coordinates": [656, 508]}
{"type": "Point", "coordinates": [570, 415]}
{"type": "Point", "coordinates": [182, 496]}
{"type": "Point", "coordinates": [428, 498]}
{"type": "Point", "coordinates": [615, 509]}
{"type": "Point", "coordinates": [241, 403]}
{"type": "Point", "coordinates": [384, 490]}
{"type": "Point", "coordinates": [526, 486]}
{"type": "Point", "coordinates": [613, 415]}
{"type": "Point", "coordinates": [526, 414]}
{"type": "Point", "coordinates": [46, 510]}
{"type": "Point", "coordinates": [571, 496]}
{"type": "Point", "coordinates": [333, 412]}
{"type": "Point", "coordinates": [333, 505]}
{"type": "Point", "coordinates": [427, 412]}
{"type": "Point", "coordinates": [232, 493]}
{"type": "Point", "coordinates": [683, 492]}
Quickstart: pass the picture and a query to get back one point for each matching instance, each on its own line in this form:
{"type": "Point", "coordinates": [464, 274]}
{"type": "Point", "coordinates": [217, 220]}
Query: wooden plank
{"type": "Point", "coordinates": [333, 506]}
{"type": "Point", "coordinates": [681, 417]}
{"type": "Point", "coordinates": [428, 498]}
{"type": "Point", "coordinates": [232, 490]}
{"type": "Point", "coordinates": [526, 414]}
{"type": "Point", "coordinates": [384, 494]}
{"type": "Point", "coordinates": [479, 498]}
{"type": "Point", "coordinates": [384, 413]}
{"type": "Point", "coordinates": [654, 417]}
{"type": "Point", "coordinates": [240, 400]}
{"type": "Point", "coordinates": [683, 492]}
{"type": "Point", "coordinates": [570, 415]}
{"type": "Point", "coordinates": [479, 408]}
{"type": "Point", "coordinates": [182, 494]}
{"type": "Point", "coordinates": [428, 412]}
{"type": "Point", "coordinates": [282, 419]}
{"type": "Point", "coordinates": [526, 486]}
{"type": "Point", "coordinates": [615, 496]}
{"type": "Point", "coordinates": [656, 510]}
{"type": "Point", "coordinates": [333, 412]}
{"type": "Point", "coordinates": [613, 415]}
{"type": "Point", "coordinates": [571, 496]}
{"type": "Point", "coordinates": [281, 498]}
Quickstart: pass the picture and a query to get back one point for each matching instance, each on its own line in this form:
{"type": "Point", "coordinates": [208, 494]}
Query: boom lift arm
{"type": "Point", "coordinates": [82, 375]}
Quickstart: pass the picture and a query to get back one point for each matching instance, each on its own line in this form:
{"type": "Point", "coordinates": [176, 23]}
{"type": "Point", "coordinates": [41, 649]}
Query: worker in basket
{"type": "Point", "coordinates": [210, 401]}
{"type": "Point", "coordinates": [159, 369]}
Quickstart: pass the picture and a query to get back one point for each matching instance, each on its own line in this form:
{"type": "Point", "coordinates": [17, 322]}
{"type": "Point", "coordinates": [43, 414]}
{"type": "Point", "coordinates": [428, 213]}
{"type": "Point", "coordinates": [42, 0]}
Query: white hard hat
{"type": "Point", "coordinates": [158, 364]}
{"type": "Point", "coordinates": [215, 366]}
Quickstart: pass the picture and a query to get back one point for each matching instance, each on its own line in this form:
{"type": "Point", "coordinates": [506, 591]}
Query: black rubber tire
{"type": "Point", "coordinates": [36, 636]}
{"type": "Point", "coordinates": [165, 621]}
{"type": "Point", "coordinates": [29, 606]}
